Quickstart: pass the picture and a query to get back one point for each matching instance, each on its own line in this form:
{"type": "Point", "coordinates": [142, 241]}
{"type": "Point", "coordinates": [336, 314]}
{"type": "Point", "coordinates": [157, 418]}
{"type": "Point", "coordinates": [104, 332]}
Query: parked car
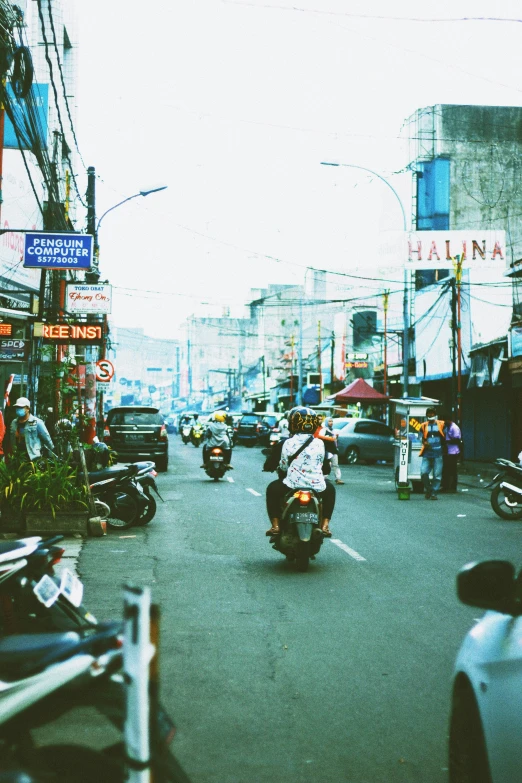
{"type": "Point", "coordinates": [267, 423]}
{"type": "Point", "coordinates": [138, 432]}
{"type": "Point", "coordinates": [246, 432]}
{"type": "Point", "coordinates": [485, 742]}
{"type": "Point", "coordinates": [364, 439]}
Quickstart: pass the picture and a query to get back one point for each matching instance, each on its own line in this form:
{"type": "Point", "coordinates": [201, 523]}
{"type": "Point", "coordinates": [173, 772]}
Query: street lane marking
{"type": "Point", "coordinates": [230, 479]}
{"type": "Point", "coordinates": [253, 492]}
{"type": "Point", "coordinates": [351, 552]}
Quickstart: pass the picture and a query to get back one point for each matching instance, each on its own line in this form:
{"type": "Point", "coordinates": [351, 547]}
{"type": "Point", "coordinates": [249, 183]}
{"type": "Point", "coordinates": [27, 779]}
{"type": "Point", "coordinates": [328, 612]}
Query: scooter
{"type": "Point", "coordinates": [215, 465]}
{"type": "Point", "coordinates": [185, 433]}
{"type": "Point", "coordinates": [274, 437]}
{"type": "Point", "coordinates": [123, 494]}
{"type": "Point", "coordinates": [196, 435]}
{"type": "Point", "coordinates": [110, 668]}
{"type": "Point", "coordinates": [33, 598]}
{"type": "Point", "coordinates": [506, 493]}
{"type": "Point", "coordinates": [300, 537]}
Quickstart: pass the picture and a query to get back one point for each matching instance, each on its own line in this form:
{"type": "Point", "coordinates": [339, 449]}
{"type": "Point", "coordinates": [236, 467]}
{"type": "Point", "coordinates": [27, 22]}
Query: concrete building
{"type": "Point", "coordinates": [467, 178]}
{"type": "Point", "coordinates": [24, 186]}
{"type": "Point", "coordinates": [147, 369]}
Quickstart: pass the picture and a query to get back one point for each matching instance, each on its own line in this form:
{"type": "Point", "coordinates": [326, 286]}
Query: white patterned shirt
{"type": "Point", "coordinates": [307, 469]}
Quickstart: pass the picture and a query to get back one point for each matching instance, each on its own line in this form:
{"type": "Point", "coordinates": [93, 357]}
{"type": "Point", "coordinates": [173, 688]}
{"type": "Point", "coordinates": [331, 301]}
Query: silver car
{"type": "Point", "coordinates": [363, 439]}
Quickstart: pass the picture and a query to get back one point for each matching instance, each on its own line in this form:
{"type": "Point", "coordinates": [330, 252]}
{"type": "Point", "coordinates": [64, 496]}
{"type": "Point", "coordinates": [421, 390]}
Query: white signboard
{"type": "Point", "coordinates": [437, 249]}
{"type": "Point", "coordinates": [83, 298]}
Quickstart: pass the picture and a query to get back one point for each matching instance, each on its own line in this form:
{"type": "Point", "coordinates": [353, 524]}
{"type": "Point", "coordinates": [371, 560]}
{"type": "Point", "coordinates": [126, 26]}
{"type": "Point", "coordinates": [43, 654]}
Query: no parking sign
{"type": "Point", "coordinates": [104, 370]}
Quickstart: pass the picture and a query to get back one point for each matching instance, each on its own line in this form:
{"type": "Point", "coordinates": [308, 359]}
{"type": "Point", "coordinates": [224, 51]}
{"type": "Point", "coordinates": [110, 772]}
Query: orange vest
{"type": "Point", "coordinates": [424, 431]}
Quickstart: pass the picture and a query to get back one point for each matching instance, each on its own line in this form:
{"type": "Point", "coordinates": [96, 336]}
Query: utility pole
{"type": "Point", "coordinates": [319, 362]}
{"type": "Point", "coordinates": [385, 297]}
{"type": "Point", "coordinates": [264, 379]}
{"type": "Point", "coordinates": [292, 343]}
{"type": "Point", "coordinates": [300, 358]}
{"type": "Point", "coordinates": [456, 338]}
{"type": "Point", "coordinates": [89, 432]}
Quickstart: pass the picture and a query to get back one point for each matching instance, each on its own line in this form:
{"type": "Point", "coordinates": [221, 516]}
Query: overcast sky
{"type": "Point", "coordinates": [234, 104]}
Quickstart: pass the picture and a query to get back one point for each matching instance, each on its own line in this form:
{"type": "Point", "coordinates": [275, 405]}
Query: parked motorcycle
{"type": "Point", "coordinates": [33, 598]}
{"type": "Point", "coordinates": [215, 466]}
{"type": "Point", "coordinates": [185, 433]}
{"type": "Point", "coordinates": [506, 493]}
{"type": "Point", "coordinates": [108, 668]}
{"type": "Point", "coordinates": [196, 435]}
{"type": "Point", "coordinates": [300, 536]}
{"type": "Point", "coordinates": [123, 494]}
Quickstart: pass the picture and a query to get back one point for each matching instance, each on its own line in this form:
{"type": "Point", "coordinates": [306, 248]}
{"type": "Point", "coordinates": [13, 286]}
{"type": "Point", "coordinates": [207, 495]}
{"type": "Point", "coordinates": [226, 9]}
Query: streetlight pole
{"type": "Point", "coordinates": [406, 305]}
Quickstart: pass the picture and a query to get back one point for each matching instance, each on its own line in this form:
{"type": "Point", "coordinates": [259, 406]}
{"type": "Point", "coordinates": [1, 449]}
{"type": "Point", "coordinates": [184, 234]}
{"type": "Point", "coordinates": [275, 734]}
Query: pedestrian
{"type": "Point", "coordinates": [28, 433]}
{"type": "Point", "coordinates": [332, 451]}
{"type": "Point", "coordinates": [432, 449]}
{"type": "Point", "coordinates": [453, 452]}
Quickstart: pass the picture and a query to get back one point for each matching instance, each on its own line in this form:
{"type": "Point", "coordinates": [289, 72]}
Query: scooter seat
{"type": "Point", "coordinates": [23, 651]}
{"type": "Point", "coordinates": [147, 465]}
{"type": "Point", "coordinates": [114, 471]}
{"type": "Point", "coordinates": [13, 550]}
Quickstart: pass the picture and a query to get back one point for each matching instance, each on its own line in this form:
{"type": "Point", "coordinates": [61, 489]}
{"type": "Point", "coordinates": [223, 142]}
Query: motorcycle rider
{"type": "Point", "coordinates": [217, 435]}
{"type": "Point", "coordinates": [304, 470]}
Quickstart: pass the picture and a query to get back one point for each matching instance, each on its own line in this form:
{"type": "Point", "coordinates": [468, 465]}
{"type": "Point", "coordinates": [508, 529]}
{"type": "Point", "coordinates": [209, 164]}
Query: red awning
{"type": "Point", "coordinates": [359, 391]}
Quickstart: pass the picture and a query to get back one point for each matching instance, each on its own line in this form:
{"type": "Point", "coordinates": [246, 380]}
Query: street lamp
{"type": "Point", "coordinates": [406, 308]}
{"type": "Point", "coordinates": [141, 193]}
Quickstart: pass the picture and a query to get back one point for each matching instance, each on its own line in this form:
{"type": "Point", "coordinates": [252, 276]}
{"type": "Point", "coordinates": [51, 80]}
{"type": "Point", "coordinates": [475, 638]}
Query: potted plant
{"type": "Point", "coordinates": [47, 494]}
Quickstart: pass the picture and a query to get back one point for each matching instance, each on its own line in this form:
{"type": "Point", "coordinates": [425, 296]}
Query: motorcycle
{"type": "Point", "coordinates": [145, 481]}
{"type": "Point", "coordinates": [122, 494]}
{"type": "Point", "coordinates": [33, 598]}
{"type": "Point", "coordinates": [185, 433]}
{"type": "Point", "coordinates": [274, 437]}
{"type": "Point", "coordinates": [108, 669]}
{"type": "Point", "coordinates": [214, 465]}
{"type": "Point", "coordinates": [506, 493]}
{"type": "Point", "coordinates": [196, 435]}
{"type": "Point", "coordinates": [300, 536]}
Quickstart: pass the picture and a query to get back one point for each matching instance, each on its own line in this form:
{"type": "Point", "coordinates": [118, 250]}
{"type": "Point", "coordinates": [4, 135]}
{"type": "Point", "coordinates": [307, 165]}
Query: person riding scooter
{"type": "Point", "coordinates": [217, 436]}
{"type": "Point", "coordinates": [302, 458]}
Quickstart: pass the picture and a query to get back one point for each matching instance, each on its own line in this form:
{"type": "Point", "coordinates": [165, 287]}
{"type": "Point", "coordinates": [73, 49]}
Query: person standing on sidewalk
{"type": "Point", "coordinates": [432, 449]}
{"type": "Point", "coordinates": [333, 451]}
{"type": "Point", "coordinates": [28, 433]}
{"type": "Point", "coordinates": [453, 439]}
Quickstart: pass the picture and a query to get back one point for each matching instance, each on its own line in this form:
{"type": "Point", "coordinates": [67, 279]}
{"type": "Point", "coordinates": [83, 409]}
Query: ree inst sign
{"type": "Point", "coordinates": [68, 334]}
{"type": "Point", "coordinates": [67, 250]}
{"type": "Point", "coordinates": [83, 298]}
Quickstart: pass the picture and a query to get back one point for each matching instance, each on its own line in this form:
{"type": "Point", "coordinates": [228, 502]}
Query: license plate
{"type": "Point", "coordinates": [217, 459]}
{"type": "Point", "coordinates": [47, 591]}
{"type": "Point", "coordinates": [71, 587]}
{"type": "Point", "coordinates": [134, 437]}
{"type": "Point", "coordinates": [306, 516]}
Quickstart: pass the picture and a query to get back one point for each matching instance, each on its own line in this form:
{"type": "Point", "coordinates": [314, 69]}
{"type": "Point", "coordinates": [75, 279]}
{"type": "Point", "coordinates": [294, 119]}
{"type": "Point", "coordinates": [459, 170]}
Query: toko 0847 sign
{"type": "Point", "coordinates": [67, 250]}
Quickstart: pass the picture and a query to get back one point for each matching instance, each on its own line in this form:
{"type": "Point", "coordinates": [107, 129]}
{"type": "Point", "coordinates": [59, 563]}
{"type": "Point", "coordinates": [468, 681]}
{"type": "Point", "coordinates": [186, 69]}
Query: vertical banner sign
{"type": "Point", "coordinates": [403, 461]}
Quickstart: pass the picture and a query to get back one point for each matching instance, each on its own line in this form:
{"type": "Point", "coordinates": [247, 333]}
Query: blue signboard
{"type": "Point", "coordinates": [40, 95]}
{"type": "Point", "coordinates": [44, 250]}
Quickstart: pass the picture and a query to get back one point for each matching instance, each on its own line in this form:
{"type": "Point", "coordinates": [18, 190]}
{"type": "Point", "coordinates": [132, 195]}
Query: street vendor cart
{"type": "Point", "coordinates": [406, 417]}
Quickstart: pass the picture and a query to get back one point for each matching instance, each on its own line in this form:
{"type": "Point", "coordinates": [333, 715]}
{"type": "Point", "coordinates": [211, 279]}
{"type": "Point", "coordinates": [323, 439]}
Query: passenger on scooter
{"type": "Point", "coordinates": [304, 471]}
{"type": "Point", "coordinates": [217, 436]}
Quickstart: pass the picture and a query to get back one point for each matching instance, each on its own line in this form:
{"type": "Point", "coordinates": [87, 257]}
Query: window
{"type": "Point", "coordinates": [134, 417]}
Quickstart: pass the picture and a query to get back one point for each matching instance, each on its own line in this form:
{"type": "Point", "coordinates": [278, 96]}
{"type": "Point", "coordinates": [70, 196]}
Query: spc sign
{"type": "Point", "coordinates": [104, 370]}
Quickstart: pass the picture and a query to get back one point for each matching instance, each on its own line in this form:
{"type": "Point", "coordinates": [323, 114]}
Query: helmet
{"type": "Point", "coordinates": [220, 416]}
{"type": "Point", "coordinates": [303, 420]}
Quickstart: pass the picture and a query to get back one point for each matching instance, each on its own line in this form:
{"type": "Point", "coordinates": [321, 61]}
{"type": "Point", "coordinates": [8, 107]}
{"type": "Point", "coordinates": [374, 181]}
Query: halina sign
{"type": "Point", "coordinates": [437, 249]}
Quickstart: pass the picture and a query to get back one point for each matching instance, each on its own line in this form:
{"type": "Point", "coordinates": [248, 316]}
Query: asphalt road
{"type": "Point", "coordinates": [339, 674]}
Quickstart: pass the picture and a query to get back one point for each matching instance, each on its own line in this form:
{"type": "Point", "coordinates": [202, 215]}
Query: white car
{"type": "Point", "coordinates": [485, 744]}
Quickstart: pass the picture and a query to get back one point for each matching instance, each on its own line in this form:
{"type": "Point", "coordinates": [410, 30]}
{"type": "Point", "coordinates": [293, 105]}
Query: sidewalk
{"type": "Point", "coordinates": [476, 474]}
